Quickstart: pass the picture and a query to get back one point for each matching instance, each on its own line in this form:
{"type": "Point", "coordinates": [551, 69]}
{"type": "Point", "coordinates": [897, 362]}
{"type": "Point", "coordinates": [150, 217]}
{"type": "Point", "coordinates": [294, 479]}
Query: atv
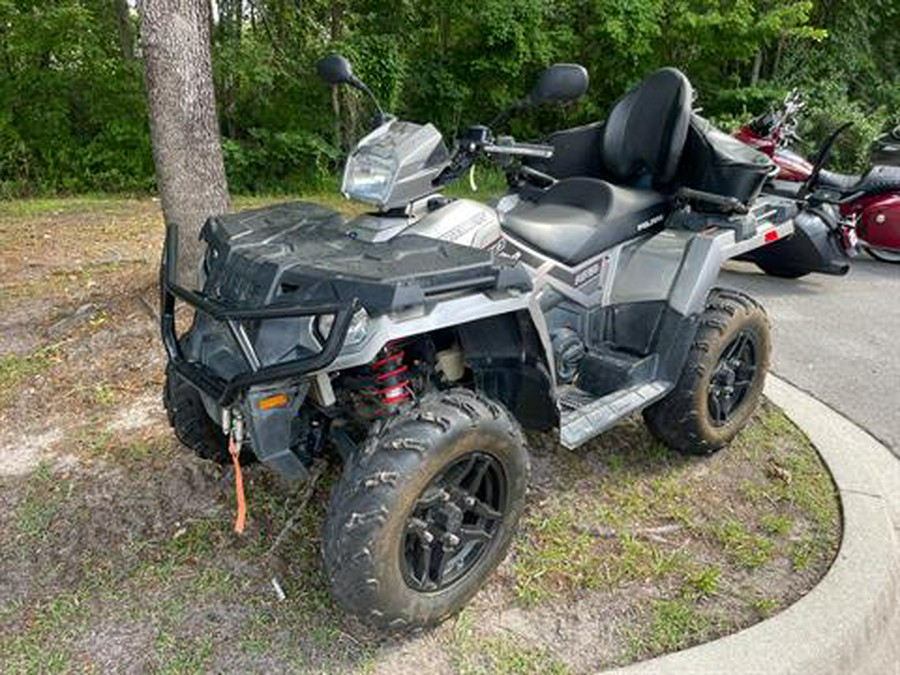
{"type": "Point", "coordinates": [413, 342]}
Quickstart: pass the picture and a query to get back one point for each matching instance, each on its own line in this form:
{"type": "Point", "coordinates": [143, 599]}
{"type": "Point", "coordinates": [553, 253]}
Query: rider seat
{"type": "Point", "coordinates": [580, 217]}
{"type": "Point", "coordinates": [878, 179]}
{"type": "Point", "coordinates": [643, 138]}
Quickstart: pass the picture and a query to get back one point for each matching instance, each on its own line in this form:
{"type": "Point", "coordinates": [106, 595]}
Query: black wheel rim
{"type": "Point", "coordinates": [732, 379]}
{"type": "Point", "coordinates": [453, 522]}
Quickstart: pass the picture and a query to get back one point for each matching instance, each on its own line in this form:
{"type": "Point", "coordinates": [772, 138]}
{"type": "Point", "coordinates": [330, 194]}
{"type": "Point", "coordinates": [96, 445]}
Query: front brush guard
{"type": "Point", "coordinates": [200, 376]}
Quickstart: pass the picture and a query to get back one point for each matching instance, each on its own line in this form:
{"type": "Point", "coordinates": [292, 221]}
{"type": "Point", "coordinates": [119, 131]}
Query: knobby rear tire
{"type": "Point", "coordinates": [682, 419]}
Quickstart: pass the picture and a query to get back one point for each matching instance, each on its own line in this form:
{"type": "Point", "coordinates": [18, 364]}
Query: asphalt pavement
{"type": "Point", "coordinates": [837, 337]}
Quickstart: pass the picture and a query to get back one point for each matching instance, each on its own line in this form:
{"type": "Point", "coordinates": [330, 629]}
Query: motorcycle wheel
{"type": "Point", "coordinates": [884, 255]}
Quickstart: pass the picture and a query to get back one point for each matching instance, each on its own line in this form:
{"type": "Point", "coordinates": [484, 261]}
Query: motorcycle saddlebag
{"type": "Point", "coordinates": [713, 161]}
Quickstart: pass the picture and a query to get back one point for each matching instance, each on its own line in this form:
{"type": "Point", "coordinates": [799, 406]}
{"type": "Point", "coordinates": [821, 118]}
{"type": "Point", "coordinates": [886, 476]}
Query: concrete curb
{"type": "Point", "coordinates": [850, 622]}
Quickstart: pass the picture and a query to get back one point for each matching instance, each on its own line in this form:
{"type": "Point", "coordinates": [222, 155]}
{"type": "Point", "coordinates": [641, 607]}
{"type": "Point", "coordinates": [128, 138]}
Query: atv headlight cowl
{"type": "Point", "coordinates": [356, 333]}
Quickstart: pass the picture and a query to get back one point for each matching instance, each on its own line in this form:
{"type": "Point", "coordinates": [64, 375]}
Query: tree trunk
{"type": "Point", "coordinates": [184, 131]}
{"type": "Point", "coordinates": [336, 17]}
{"type": "Point", "coordinates": [123, 26]}
{"type": "Point", "coordinates": [776, 66]}
{"type": "Point", "coordinates": [757, 66]}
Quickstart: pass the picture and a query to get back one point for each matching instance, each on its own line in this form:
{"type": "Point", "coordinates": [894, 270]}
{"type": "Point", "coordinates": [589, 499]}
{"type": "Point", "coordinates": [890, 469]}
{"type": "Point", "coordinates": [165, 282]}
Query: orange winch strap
{"type": "Point", "coordinates": [238, 486]}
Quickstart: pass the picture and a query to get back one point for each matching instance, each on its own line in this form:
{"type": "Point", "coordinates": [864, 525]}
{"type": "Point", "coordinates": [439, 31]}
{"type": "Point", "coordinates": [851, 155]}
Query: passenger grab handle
{"type": "Point", "coordinates": [729, 204]}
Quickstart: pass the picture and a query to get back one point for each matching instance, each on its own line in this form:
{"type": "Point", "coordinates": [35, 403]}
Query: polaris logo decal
{"type": "Point", "coordinates": [649, 223]}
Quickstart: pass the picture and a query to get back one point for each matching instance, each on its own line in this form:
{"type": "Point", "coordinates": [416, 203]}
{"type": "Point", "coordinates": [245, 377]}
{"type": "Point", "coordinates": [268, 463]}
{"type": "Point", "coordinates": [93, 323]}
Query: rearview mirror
{"type": "Point", "coordinates": [559, 83]}
{"type": "Point", "coordinates": [335, 69]}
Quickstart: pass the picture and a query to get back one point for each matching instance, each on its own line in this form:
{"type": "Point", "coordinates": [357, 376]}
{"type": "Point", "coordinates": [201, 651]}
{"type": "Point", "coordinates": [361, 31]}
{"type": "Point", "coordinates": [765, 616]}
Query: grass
{"type": "Point", "coordinates": [15, 370]}
{"type": "Point", "coordinates": [673, 625]}
{"type": "Point", "coordinates": [41, 648]}
{"type": "Point", "coordinates": [178, 655]}
{"type": "Point", "coordinates": [163, 585]}
{"type": "Point", "coordinates": [498, 654]}
{"type": "Point", "coordinates": [803, 552]}
{"type": "Point", "coordinates": [702, 582]}
{"type": "Point", "coordinates": [765, 607]}
{"type": "Point", "coordinates": [564, 549]}
{"type": "Point", "coordinates": [676, 524]}
{"type": "Point", "coordinates": [742, 546]}
{"type": "Point", "coordinates": [40, 503]}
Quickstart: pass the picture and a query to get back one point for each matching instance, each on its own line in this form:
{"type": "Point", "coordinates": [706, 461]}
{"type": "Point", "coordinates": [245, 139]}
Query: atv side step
{"type": "Point", "coordinates": [582, 417]}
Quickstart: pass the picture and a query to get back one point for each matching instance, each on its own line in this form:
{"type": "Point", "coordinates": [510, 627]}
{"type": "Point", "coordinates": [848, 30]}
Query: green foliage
{"type": "Point", "coordinates": [833, 106]}
{"type": "Point", "coordinates": [74, 116]}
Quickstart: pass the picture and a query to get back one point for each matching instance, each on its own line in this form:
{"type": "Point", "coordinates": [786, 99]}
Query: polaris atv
{"type": "Point", "coordinates": [414, 342]}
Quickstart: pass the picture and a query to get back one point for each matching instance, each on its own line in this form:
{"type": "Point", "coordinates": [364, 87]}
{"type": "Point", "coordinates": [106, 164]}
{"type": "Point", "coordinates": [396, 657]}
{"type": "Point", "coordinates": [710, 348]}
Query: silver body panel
{"type": "Point", "coordinates": [676, 266]}
{"type": "Point", "coordinates": [462, 221]}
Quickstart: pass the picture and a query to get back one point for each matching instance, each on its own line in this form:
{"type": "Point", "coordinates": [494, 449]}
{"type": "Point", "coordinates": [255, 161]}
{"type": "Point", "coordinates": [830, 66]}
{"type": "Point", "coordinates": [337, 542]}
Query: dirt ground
{"type": "Point", "coordinates": [118, 554]}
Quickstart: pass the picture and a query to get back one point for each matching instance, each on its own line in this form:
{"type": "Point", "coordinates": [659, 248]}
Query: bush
{"type": "Point", "coordinates": [827, 106]}
{"type": "Point", "coordinates": [268, 162]}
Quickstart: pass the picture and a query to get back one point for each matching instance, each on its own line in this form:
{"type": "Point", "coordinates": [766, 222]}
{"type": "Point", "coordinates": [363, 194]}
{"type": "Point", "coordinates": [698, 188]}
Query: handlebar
{"type": "Point", "coordinates": [477, 141]}
{"type": "Point", "coordinates": [520, 150]}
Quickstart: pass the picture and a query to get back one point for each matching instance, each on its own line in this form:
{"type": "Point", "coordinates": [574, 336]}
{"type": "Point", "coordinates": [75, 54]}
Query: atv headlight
{"type": "Point", "coordinates": [369, 177]}
{"type": "Point", "coordinates": [356, 333]}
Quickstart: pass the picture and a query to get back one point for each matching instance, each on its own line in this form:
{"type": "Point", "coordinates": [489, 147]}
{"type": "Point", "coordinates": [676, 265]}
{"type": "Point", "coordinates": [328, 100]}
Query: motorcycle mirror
{"type": "Point", "coordinates": [559, 83]}
{"type": "Point", "coordinates": [335, 69]}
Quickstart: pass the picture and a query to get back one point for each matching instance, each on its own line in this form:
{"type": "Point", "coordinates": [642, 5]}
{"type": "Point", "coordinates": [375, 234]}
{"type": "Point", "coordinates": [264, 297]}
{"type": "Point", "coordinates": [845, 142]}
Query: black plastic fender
{"type": "Point", "coordinates": [815, 246]}
{"type": "Point", "coordinates": [508, 361]}
{"type": "Point", "coordinates": [273, 431]}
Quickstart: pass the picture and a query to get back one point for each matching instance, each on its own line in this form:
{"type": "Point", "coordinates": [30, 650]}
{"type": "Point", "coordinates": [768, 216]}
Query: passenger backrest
{"type": "Point", "coordinates": [646, 129]}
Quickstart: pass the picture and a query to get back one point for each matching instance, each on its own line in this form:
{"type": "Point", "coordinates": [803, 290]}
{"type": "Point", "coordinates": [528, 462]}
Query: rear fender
{"type": "Point", "coordinates": [681, 266]}
{"type": "Point", "coordinates": [814, 247]}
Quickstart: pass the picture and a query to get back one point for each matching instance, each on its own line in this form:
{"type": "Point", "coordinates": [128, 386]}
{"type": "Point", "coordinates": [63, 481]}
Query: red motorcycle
{"type": "Point", "coordinates": [869, 204]}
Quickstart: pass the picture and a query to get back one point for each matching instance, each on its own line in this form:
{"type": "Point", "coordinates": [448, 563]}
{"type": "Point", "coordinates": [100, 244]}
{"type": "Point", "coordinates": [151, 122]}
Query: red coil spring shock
{"type": "Point", "coordinates": [391, 385]}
